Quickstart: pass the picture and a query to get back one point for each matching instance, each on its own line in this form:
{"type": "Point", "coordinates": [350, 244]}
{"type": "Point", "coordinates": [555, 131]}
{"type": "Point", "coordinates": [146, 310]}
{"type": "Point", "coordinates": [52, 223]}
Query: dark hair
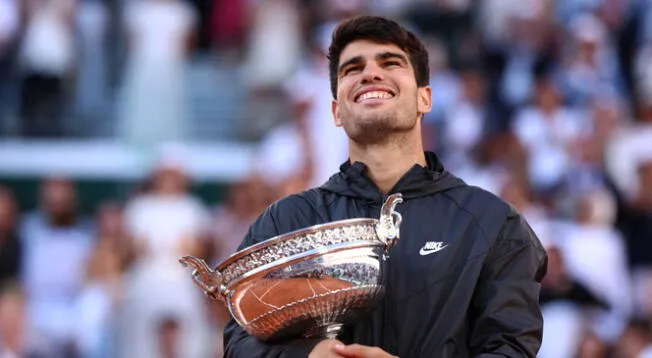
{"type": "Point", "coordinates": [380, 30]}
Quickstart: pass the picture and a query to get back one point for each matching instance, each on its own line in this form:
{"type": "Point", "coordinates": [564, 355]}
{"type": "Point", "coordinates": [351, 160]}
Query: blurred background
{"type": "Point", "coordinates": [136, 131]}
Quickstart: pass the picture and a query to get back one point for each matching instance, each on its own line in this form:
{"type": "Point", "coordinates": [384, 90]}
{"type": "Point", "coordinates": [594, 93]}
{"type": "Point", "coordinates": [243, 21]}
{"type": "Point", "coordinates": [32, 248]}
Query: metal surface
{"type": "Point", "coordinates": [307, 283]}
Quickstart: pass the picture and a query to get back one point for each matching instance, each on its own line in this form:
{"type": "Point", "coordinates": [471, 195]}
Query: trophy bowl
{"type": "Point", "coordinates": [307, 283]}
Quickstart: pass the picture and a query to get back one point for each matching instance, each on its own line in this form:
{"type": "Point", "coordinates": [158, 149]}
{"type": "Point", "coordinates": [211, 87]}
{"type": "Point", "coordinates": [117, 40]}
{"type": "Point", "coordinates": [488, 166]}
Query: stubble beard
{"type": "Point", "coordinates": [380, 128]}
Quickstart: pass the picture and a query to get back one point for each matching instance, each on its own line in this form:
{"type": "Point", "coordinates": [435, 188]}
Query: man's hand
{"type": "Point", "coordinates": [360, 351]}
{"type": "Point", "coordinates": [326, 349]}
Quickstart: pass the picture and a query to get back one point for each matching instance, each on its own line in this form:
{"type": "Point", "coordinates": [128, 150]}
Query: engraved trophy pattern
{"type": "Point", "coordinates": [307, 283]}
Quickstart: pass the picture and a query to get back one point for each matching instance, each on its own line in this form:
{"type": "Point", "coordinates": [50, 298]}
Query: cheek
{"type": "Point", "coordinates": [344, 88]}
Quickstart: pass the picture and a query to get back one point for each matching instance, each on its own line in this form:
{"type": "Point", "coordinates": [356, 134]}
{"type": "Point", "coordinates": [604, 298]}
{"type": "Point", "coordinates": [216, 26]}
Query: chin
{"type": "Point", "coordinates": [374, 115]}
{"type": "Point", "coordinates": [375, 131]}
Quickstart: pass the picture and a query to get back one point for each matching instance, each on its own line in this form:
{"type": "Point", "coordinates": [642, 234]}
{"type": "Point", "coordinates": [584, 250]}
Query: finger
{"type": "Point", "coordinates": [360, 351]}
{"type": "Point", "coordinates": [354, 350]}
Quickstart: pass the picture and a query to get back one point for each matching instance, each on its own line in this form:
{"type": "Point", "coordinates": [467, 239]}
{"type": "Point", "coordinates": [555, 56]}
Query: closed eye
{"type": "Point", "coordinates": [392, 64]}
{"type": "Point", "coordinates": [351, 69]}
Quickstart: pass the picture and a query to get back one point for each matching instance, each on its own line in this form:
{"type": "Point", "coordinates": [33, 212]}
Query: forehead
{"type": "Point", "coordinates": [368, 49]}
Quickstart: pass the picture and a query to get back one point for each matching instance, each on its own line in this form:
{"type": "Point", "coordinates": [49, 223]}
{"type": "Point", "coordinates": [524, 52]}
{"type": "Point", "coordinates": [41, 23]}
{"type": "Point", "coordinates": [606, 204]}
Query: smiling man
{"type": "Point", "coordinates": [464, 279]}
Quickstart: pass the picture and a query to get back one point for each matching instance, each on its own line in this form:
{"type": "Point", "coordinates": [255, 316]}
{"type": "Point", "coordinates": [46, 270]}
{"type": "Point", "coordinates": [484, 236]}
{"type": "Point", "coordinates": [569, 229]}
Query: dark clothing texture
{"type": "Point", "coordinates": [11, 254]}
{"type": "Point", "coordinates": [42, 105]}
{"type": "Point", "coordinates": [476, 297]}
{"type": "Point", "coordinates": [577, 293]}
{"type": "Point", "coordinates": [636, 227]}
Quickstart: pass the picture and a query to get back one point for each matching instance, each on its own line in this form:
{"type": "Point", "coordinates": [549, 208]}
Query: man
{"type": "Point", "coordinates": [464, 279]}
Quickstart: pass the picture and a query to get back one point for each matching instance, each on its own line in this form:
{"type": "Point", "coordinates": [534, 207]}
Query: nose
{"type": "Point", "coordinates": [371, 73]}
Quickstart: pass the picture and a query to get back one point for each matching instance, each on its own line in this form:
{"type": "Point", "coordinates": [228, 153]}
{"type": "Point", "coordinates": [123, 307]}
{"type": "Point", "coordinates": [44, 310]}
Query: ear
{"type": "Point", "coordinates": [336, 113]}
{"type": "Point", "coordinates": [424, 100]}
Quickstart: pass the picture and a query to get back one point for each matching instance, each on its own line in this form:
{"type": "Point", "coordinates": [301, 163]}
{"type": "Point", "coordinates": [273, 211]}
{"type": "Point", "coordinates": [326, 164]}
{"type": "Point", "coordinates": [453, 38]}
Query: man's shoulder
{"type": "Point", "coordinates": [300, 200]}
{"type": "Point", "coordinates": [477, 200]}
{"type": "Point", "coordinates": [299, 209]}
{"type": "Point", "coordinates": [491, 212]}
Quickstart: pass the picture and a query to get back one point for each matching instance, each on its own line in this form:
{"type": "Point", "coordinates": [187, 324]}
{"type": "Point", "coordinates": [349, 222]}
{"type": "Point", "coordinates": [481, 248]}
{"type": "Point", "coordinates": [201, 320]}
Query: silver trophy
{"type": "Point", "coordinates": [306, 283]}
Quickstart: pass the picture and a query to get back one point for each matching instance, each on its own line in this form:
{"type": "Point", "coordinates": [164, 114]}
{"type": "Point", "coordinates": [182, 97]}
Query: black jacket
{"type": "Point", "coordinates": [478, 297]}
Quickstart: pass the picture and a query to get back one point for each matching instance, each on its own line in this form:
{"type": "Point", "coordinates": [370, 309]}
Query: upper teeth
{"type": "Point", "coordinates": [374, 94]}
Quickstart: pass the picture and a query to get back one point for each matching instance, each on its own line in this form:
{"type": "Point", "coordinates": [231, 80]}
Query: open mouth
{"type": "Point", "coordinates": [374, 95]}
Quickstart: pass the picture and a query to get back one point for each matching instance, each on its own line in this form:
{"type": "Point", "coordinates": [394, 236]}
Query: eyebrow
{"type": "Point", "coordinates": [388, 54]}
{"type": "Point", "coordinates": [349, 62]}
{"type": "Point", "coordinates": [379, 56]}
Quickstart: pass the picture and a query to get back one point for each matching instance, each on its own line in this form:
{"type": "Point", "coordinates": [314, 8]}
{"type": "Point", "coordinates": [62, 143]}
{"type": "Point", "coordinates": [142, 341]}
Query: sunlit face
{"type": "Point", "coordinates": [59, 196]}
{"type": "Point", "coordinates": [377, 93]}
{"type": "Point", "coordinates": [170, 181]}
{"type": "Point", "coordinates": [7, 211]}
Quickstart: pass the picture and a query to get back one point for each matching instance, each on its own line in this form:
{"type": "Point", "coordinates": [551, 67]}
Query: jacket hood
{"type": "Point", "coordinates": [352, 181]}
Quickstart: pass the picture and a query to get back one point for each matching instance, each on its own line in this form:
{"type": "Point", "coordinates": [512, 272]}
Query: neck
{"type": "Point", "coordinates": [63, 219]}
{"type": "Point", "coordinates": [388, 162]}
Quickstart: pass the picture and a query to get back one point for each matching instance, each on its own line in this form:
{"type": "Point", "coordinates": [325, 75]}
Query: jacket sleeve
{"type": "Point", "coordinates": [237, 342]}
{"type": "Point", "coordinates": [506, 316]}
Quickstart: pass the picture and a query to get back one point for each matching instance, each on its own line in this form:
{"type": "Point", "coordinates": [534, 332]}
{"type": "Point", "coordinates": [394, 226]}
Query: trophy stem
{"type": "Point", "coordinates": [329, 331]}
{"type": "Point", "coordinates": [333, 330]}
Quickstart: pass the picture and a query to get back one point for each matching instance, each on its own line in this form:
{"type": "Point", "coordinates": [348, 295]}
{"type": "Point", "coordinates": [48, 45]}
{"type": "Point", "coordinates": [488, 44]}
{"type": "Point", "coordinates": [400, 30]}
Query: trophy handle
{"type": "Point", "coordinates": [208, 280]}
{"type": "Point", "coordinates": [389, 224]}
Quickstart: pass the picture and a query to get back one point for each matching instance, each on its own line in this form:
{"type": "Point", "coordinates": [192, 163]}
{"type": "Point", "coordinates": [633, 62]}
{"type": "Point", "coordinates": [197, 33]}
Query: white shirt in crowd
{"type": "Point", "coordinates": [55, 268]}
{"type": "Point", "coordinates": [548, 140]}
{"type": "Point", "coordinates": [158, 285]}
{"type": "Point", "coordinates": [48, 44]}
{"type": "Point", "coordinates": [9, 20]}
{"type": "Point", "coordinates": [160, 223]}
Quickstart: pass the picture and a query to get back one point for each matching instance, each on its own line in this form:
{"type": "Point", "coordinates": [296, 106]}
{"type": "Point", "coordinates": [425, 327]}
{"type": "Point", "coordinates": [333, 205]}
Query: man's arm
{"type": "Point", "coordinates": [505, 313]}
{"type": "Point", "coordinates": [240, 344]}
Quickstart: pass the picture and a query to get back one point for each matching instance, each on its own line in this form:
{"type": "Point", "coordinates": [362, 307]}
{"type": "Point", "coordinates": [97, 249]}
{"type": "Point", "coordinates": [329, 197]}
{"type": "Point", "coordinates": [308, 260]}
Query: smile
{"type": "Point", "coordinates": [372, 95]}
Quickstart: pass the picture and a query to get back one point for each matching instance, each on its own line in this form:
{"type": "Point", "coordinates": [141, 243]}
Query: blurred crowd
{"type": "Point", "coordinates": [546, 103]}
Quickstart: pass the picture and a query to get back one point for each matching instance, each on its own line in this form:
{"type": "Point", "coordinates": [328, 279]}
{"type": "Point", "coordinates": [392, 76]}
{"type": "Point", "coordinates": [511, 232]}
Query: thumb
{"type": "Point", "coordinates": [353, 350]}
{"type": "Point", "coordinates": [350, 351]}
{"type": "Point", "coordinates": [360, 351]}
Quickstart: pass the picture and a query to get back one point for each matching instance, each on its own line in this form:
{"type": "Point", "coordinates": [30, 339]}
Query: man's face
{"type": "Point", "coordinates": [7, 212]}
{"type": "Point", "coordinates": [59, 196]}
{"type": "Point", "coordinates": [377, 93]}
{"type": "Point", "coordinates": [645, 175]}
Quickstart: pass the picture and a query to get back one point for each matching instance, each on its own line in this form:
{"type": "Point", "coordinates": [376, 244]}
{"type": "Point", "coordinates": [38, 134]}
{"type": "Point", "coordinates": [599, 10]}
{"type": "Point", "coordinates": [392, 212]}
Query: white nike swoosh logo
{"type": "Point", "coordinates": [424, 252]}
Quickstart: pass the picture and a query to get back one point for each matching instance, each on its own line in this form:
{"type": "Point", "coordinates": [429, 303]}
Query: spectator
{"type": "Point", "coordinates": [590, 64]}
{"type": "Point", "coordinates": [309, 148]}
{"type": "Point", "coordinates": [636, 341]}
{"type": "Point", "coordinates": [57, 241]}
{"type": "Point", "coordinates": [593, 347]}
{"type": "Point", "coordinates": [103, 291]}
{"type": "Point", "coordinates": [91, 90]}
{"type": "Point", "coordinates": [47, 61]}
{"type": "Point", "coordinates": [466, 123]}
{"type": "Point", "coordinates": [13, 322]}
{"type": "Point", "coordinates": [635, 221]}
{"type": "Point", "coordinates": [446, 93]}
{"type": "Point", "coordinates": [11, 247]}
{"type": "Point", "coordinates": [548, 129]}
{"type": "Point", "coordinates": [562, 298]}
{"type": "Point", "coordinates": [596, 255]}
{"type": "Point", "coordinates": [168, 338]}
{"type": "Point", "coordinates": [245, 200]}
{"type": "Point", "coordinates": [160, 38]}
{"type": "Point", "coordinates": [10, 23]}
{"type": "Point", "coordinates": [165, 223]}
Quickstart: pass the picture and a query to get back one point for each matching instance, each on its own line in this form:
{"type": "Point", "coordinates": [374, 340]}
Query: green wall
{"type": "Point", "coordinates": [93, 192]}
